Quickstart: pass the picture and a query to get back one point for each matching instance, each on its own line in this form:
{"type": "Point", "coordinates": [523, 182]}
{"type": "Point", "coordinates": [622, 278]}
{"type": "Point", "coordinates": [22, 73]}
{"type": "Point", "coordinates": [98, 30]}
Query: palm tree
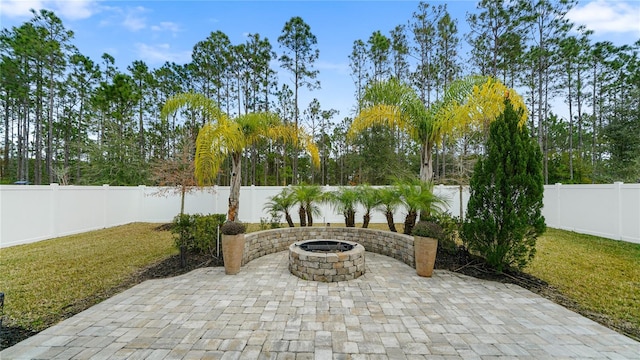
{"type": "Point", "coordinates": [467, 103]}
{"type": "Point", "coordinates": [345, 200]}
{"type": "Point", "coordinates": [389, 200]}
{"type": "Point", "coordinates": [222, 137]}
{"type": "Point", "coordinates": [282, 203]}
{"type": "Point", "coordinates": [368, 198]}
{"type": "Point", "coordinates": [418, 199]}
{"type": "Point", "coordinates": [307, 197]}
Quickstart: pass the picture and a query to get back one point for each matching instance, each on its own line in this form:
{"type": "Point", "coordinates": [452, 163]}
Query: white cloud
{"type": "Point", "coordinates": [166, 26]}
{"type": "Point", "coordinates": [20, 8]}
{"type": "Point", "coordinates": [75, 9]}
{"type": "Point", "coordinates": [130, 18]}
{"type": "Point", "coordinates": [607, 16]}
{"type": "Point", "coordinates": [65, 9]}
{"type": "Point", "coordinates": [161, 53]}
{"type": "Point", "coordinates": [133, 19]}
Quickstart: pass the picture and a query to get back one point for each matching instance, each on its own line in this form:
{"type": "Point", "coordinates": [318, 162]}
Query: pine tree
{"type": "Point", "coordinates": [504, 210]}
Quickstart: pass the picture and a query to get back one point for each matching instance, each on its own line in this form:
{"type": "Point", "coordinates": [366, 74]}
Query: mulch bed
{"type": "Point", "coordinates": [460, 261]}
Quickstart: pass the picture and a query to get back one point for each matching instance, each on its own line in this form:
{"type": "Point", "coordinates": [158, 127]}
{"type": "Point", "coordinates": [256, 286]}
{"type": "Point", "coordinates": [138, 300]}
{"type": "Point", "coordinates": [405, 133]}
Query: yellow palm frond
{"type": "Point", "coordinates": [285, 133]}
{"type": "Point", "coordinates": [208, 157]}
{"type": "Point", "coordinates": [298, 137]}
{"type": "Point", "coordinates": [479, 107]}
{"type": "Point", "coordinates": [306, 142]}
{"type": "Point", "coordinates": [214, 143]}
{"type": "Point", "coordinates": [380, 114]}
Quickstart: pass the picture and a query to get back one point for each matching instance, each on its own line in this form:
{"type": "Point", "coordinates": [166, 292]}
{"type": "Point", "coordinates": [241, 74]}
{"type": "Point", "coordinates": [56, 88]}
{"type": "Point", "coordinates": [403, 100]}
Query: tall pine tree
{"type": "Point", "coordinates": [504, 211]}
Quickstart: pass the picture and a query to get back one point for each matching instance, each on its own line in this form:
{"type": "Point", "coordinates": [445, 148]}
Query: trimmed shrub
{"type": "Point", "coordinates": [428, 229]}
{"type": "Point", "coordinates": [233, 228]}
{"type": "Point", "coordinates": [196, 232]}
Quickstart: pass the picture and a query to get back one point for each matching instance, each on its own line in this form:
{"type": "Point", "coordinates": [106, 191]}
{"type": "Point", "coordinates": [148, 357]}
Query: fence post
{"type": "Point", "coordinates": [558, 205]}
{"type": "Point", "coordinates": [54, 217]}
{"type": "Point", "coordinates": [461, 202]}
{"type": "Point", "coordinates": [617, 186]}
{"type": "Point", "coordinates": [253, 204]}
{"type": "Point", "coordinates": [216, 197]}
{"type": "Point", "coordinates": [140, 216]}
{"type": "Point", "coordinates": [105, 205]}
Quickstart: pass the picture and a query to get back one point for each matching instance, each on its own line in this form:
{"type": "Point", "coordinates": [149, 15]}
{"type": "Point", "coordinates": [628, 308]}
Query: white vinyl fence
{"type": "Point", "coordinates": [606, 210]}
{"type": "Point", "coordinates": [34, 213]}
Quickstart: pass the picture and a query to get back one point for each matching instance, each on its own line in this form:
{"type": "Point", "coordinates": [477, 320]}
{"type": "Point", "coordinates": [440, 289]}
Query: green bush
{"type": "Point", "coordinates": [450, 231]}
{"type": "Point", "coordinates": [197, 232]}
{"type": "Point", "coordinates": [182, 229]}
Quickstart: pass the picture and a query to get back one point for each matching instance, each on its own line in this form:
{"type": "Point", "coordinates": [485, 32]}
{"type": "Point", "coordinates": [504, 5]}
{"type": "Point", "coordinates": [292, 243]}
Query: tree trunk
{"type": "Point", "coordinates": [234, 195]}
{"type": "Point", "coordinates": [365, 220]}
{"type": "Point", "coordinates": [294, 160]}
{"type": "Point", "coordinates": [426, 163]}
{"type": "Point", "coordinates": [410, 222]}
{"type": "Point", "coordinates": [183, 190]}
{"type": "Point", "coordinates": [289, 220]}
{"type": "Point", "coordinates": [570, 103]}
{"type": "Point", "coordinates": [49, 151]}
{"type": "Point", "coordinates": [390, 223]}
{"type": "Point", "coordinates": [309, 215]}
{"type": "Point", "coordinates": [350, 218]}
{"type": "Point", "coordinates": [5, 158]}
{"type": "Point", "coordinates": [303, 216]}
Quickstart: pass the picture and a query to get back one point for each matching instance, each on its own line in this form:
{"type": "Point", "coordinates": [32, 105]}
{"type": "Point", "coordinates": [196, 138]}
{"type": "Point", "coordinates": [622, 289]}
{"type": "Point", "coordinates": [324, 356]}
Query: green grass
{"type": "Point", "coordinates": [600, 275]}
{"type": "Point", "coordinates": [41, 279]}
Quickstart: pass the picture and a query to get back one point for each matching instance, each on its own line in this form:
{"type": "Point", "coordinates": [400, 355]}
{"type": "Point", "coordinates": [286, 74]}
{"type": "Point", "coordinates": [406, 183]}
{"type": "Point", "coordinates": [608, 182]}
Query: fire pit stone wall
{"type": "Point", "coordinates": [395, 245]}
{"type": "Point", "coordinates": [326, 266]}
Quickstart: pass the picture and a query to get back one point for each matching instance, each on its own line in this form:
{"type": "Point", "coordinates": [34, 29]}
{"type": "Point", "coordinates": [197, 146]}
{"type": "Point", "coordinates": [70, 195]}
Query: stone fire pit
{"type": "Point", "coordinates": [326, 260]}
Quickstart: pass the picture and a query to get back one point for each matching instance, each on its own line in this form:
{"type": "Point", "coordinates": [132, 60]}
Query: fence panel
{"type": "Point", "coordinates": [629, 222]}
{"type": "Point", "coordinates": [606, 210]}
{"type": "Point", "coordinates": [78, 209]}
{"type": "Point", "coordinates": [25, 216]}
{"type": "Point", "coordinates": [33, 213]}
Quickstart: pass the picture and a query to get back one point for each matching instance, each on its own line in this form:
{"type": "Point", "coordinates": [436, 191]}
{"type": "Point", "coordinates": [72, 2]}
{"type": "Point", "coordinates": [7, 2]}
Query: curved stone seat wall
{"type": "Point", "coordinates": [395, 245]}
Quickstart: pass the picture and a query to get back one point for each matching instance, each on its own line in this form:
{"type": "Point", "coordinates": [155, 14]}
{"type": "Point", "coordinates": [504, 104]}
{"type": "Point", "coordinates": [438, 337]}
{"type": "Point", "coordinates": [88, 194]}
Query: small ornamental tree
{"type": "Point", "coordinates": [504, 210]}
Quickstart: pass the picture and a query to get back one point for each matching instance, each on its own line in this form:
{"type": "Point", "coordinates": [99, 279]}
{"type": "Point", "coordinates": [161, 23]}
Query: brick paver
{"type": "Point", "coordinates": [266, 313]}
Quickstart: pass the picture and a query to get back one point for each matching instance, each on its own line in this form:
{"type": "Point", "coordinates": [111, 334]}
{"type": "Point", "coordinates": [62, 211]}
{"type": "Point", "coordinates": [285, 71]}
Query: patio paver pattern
{"type": "Point", "coordinates": [264, 312]}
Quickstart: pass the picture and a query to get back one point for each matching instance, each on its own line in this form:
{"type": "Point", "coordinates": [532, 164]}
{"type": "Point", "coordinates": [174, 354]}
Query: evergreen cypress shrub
{"type": "Point", "coordinates": [504, 210]}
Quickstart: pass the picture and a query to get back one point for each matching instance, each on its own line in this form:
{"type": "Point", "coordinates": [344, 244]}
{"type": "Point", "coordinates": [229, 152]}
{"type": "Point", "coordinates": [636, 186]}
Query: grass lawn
{"type": "Point", "coordinates": [42, 281]}
{"type": "Point", "coordinates": [601, 276]}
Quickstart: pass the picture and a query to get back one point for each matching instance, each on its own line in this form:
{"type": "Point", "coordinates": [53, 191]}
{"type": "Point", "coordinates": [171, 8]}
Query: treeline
{"type": "Point", "coordinates": [70, 119]}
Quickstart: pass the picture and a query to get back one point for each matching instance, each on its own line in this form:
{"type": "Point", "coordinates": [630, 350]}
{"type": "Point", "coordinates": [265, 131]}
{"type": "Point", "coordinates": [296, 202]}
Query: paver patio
{"type": "Point", "coordinates": [266, 313]}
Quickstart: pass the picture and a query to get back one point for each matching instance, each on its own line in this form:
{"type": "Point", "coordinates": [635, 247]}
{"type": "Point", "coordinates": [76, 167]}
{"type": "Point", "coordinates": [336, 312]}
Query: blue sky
{"type": "Point", "coordinates": [159, 31]}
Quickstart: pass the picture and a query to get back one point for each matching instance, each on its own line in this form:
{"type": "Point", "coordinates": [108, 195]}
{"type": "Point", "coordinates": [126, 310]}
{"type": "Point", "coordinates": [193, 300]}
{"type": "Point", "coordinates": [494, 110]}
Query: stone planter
{"type": "Point", "coordinates": [425, 254]}
{"type": "Point", "coordinates": [232, 251]}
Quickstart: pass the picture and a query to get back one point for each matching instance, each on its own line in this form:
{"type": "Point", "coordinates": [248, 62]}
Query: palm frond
{"type": "Point", "coordinates": [209, 109]}
{"type": "Point", "coordinates": [208, 157]}
{"type": "Point", "coordinates": [471, 103]}
{"type": "Point", "coordinates": [393, 104]}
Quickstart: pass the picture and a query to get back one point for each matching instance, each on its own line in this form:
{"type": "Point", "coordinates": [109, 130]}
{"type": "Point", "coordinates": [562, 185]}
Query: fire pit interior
{"type": "Point", "coordinates": [326, 260]}
{"type": "Point", "coordinates": [326, 246]}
